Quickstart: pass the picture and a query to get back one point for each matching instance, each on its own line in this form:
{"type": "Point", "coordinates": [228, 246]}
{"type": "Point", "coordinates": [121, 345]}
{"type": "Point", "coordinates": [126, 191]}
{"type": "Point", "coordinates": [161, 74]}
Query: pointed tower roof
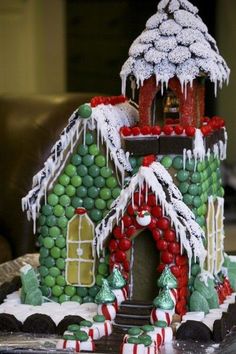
{"type": "Point", "coordinates": [175, 42]}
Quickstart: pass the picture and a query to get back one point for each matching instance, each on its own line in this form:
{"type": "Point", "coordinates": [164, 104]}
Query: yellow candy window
{"type": "Point", "coordinates": [80, 262]}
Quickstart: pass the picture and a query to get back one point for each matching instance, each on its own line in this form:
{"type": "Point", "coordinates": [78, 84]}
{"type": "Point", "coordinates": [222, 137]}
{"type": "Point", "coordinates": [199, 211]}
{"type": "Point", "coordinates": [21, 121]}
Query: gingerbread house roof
{"type": "Point", "coordinates": [175, 42]}
{"type": "Point", "coordinates": [106, 119]}
{"type": "Point", "coordinates": [158, 179]}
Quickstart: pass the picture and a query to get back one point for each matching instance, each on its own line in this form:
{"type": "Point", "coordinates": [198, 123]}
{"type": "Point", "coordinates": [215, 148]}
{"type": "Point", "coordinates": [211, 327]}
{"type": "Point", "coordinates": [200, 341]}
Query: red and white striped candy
{"type": "Point", "coordinates": [174, 295]}
{"type": "Point", "coordinates": [92, 332]}
{"type": "Point", "coordinates": [104, 328]}
{"type": "Point", "coordinates": [108, 311]}
{"type": "Point", "coordinates": [121, 295]}
{"type": "Point", "coordinates": [156, 338]}
{"type": "Point", "coordinates": [76, 345]}
{"type": "Point", "coordinates": [161, 315]}
{"type": "Point", "coordinates": [151, 349]}
{"type": "Point", "coordinates": [166, 334]}
{"type": "Point", "coordinates": [129, 348]}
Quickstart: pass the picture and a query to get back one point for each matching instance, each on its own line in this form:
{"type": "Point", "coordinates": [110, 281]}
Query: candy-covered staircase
{"type": "Point", "coordinates": [133, 313]}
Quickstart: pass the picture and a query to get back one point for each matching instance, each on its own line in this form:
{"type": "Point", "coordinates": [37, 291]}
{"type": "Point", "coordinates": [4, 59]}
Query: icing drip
{"type": "Point", "coordinates": [175, 42]}
{"type": "Point", "coordinates": [159, 181]}
{"type": "Point", "coordinates": [108, 120]}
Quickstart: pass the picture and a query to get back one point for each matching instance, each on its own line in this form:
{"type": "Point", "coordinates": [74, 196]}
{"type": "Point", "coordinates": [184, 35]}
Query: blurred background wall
{"type": "Point", "coordinates": [61, 46]}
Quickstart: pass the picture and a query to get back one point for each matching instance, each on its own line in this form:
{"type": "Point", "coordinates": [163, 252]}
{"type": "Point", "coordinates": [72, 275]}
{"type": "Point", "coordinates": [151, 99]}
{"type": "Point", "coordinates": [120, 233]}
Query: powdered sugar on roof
{"type": "Point", "coordinates": [176, 29]}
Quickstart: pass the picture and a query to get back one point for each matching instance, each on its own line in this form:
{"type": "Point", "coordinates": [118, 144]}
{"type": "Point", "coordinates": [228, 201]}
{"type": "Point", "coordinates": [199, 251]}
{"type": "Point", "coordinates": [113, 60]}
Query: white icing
{"type": "Point", "coordinates": [187, 19]}
{"type": "Point", "coordinates": [138, 48]}
{"type": "Point", "coordinates": [175, 29]}
{"type": "Point", "coordinates": [174, 5]}
{"type": "Point", "coordinates": [169, 28]}
{"type": "Point", "coordinates": [149, 36]}
{"type": "Point", "coordinates": [204, 276]}
{"type": "Point", "coordinates": [160, 182]}
{"type": "Point", "coordinates": [155, 20]}
{"type": "Point", "coordinates": [166, 44]}
{"type": "Point", "coordinates": [54, 310]}
{"type": "Point", "coordinates": [154, 56]}
{"type": "Point", "coordinates": [188, 36]}
{"type": "Point", "coordinates": [108, 120]}
{"type": "Point", "coordinates": [179, 55]}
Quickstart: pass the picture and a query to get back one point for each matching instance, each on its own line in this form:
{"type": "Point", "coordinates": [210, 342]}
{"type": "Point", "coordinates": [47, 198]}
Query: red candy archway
{"type": "Point", "coordinates": [163, 234]}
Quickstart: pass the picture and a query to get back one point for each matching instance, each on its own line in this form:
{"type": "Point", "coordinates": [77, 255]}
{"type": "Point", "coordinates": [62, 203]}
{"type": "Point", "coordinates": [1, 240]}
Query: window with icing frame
{"type": "Point", "coordinates": [80, 263]}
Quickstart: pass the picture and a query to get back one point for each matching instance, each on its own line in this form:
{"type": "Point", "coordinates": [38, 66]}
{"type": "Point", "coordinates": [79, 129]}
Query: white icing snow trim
{"type": "Point", "coordinates": [175, 29]}
{"type": "Point", "coordinates": [170, 27]}
{"type": "Point", "coordinates": [199, 149]}
{"type": "Point", "coordinates": [204, 276]}
{"type": "Point", "coordinates": [160, 182]}
{"type": "Point", "coordinates": [174, 5]}
{"type": "Point", "coordinates": [107, 120]}
{"type": "Point", "coordinates": [54, 310]}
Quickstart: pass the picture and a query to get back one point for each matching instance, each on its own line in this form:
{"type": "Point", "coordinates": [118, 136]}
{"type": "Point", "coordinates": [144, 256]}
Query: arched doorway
{"type": "Point", "coordinates": [143, 275]}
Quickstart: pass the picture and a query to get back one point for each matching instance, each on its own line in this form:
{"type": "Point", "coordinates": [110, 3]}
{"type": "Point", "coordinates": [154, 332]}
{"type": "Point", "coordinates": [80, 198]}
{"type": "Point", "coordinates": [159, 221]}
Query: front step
{"type": "Point", "coordinates": [133, 313]}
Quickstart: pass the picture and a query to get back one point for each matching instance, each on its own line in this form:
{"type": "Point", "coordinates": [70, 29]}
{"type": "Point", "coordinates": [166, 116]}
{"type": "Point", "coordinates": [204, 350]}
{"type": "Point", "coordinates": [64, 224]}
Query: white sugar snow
{"type": "Point", "coordinates": [137, 49]}
{"type": "Point", "coordinates": [155, 20]}
{"type": "Point", "coordinates": [154, 56]}
{"type": "Point", "coordinates": [174, 5]}
{"type": "Point", "coordinates": [187, 19]}
{"type": "Point", "coordinates": [142, 70]}
{"type": "Point", "coordinates": [188, 6]}
{"type": "Point", "coordinates": [202, 49]}
{"type": "Point", "coordinates": [149, 36]}
{"type": "Point", "coordinates": [188, 36]}
{"type": "Point", "coordinates": [166, 44]}
{"type": "Point", "coordinates": [177, 30]}
{"type": "Point", "coordinates": [170, 27]}
{"type": "Point", "coordinates": [164, 71]}
{"type": "Point", "coordinates": [179, 55]}
{"type": "Point", "coordinates": [187, 70]}
{"type": "Point", "coordinates": [162, 5]}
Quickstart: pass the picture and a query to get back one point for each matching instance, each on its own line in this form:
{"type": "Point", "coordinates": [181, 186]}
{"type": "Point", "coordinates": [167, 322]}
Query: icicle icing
{"type": "Point", "coordinates": [108, 120]}
{"type": "Point", "coordinates": [157, 178]}
{"type": "Point", "coordinates": [175, 42]}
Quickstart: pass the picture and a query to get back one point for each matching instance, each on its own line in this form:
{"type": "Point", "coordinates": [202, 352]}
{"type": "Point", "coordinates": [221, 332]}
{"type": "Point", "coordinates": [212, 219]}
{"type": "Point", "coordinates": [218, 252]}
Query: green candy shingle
{"type": "Point", "coordinates": [198, 302]}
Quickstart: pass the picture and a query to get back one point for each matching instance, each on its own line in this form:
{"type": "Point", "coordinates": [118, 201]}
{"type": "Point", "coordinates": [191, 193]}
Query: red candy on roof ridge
{"type": "Point", "coordinates": [113, 100]}
{"type": "Point", "coordinates": [208, 125]}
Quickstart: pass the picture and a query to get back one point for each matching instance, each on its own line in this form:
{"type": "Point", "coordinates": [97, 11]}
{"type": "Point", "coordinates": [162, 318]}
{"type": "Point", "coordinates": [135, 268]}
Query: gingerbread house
{"type": "Point", "coordinates": [138, 187]}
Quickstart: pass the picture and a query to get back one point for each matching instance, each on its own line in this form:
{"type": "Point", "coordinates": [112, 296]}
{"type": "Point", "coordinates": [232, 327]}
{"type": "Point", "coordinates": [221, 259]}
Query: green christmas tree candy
{"type": "Point", "coordinates": [105, 295]}
{"type": "Point", "coordinates": [116, 280]}
{"type": "Point", "coordinates": [167, 279]}
{"type": "Point", "coordinates": [164, 300]}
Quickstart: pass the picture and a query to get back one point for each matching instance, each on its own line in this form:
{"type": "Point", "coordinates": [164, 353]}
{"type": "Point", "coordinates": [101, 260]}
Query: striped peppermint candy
{"type": "Point", "coordinates": [174, 295]}
{"type": "Point", "coordinates": [166, 334]}
{"type": "Point", "coordinates": [107, 310]}
{"type": "Point", "coordinates": [92, 332]}
{"type": "Point", "coordinates": [156, 338]}
{"type": "Point", "coordinates": [129, 348]}
{"type": "Point", "coordinates": [121, 295]}
{"type": "Point", "coordinates": [76, 345]}
{"type": "Point", "coordinates": [161, 315]}
{"type": "Point", "coordinates": [104, 328]}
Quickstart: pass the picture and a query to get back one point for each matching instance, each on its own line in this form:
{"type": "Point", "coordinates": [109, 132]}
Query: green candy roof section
{"type": "Point", "coordinates": [158, 179]}
{"type": "Point", "coordinates": [107, 121]}
{"type": "Point", "coordinates": [175, 42]}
